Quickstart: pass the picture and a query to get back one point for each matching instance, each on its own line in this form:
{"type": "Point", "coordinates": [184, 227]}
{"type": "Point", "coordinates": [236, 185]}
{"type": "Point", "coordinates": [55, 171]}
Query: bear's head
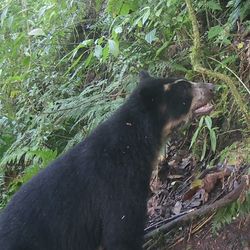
{"type": "Point", "coordinates": [174, 101]}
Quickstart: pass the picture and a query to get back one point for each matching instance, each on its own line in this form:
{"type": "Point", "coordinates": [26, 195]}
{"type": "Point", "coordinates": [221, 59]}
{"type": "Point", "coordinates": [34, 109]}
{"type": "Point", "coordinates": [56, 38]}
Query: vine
{"type": "Point", "coordinates": [198, 67]}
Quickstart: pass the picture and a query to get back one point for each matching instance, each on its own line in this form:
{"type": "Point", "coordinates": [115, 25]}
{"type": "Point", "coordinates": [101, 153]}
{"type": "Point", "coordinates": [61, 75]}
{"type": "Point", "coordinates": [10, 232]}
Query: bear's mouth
{"type": "Point", "coordinates": [202, 97]}
{"type": "Point", "coordinates": [203, 109]}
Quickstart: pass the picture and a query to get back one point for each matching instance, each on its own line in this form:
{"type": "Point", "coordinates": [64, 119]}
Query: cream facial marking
{"type": "Point", "coordinates": [179, 80]}
{"type": "Point", "coordinates": [168, 86]}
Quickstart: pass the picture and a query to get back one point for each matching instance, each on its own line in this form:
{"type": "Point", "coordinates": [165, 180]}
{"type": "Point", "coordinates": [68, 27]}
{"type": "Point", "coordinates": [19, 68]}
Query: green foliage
{"type": "Point", "coordinates": [6, 134]}
{"type": "Point", "coordinates": [236, 153]}
{"type": "Point", "coordinates": [227, 214]}
{"type": "Point", "coordinates": [205, 128]}
{"type": "Point", "coordinates": [213, 5]}
{"type": "Point", "coordinates": [39, 160]}
{"type": "Point", "coordinates": [221, 31]}
{"type": "Point", "coordinates": [122, 7]}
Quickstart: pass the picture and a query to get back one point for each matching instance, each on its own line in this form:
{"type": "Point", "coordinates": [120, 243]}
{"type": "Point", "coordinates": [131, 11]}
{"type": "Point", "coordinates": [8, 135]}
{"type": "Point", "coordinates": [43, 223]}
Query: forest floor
{"type": "Point", "coordinates": [185, 193]}
{"type": "Point", "coordinates": [234, 236]}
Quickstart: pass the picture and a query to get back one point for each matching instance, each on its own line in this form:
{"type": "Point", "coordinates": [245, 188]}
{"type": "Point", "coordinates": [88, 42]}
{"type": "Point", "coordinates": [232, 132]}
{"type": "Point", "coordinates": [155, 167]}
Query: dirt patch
{"type": "Point", "coordinates": [235, 236]}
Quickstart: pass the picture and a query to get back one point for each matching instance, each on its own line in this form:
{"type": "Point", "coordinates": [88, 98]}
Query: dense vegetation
{"type": "Point", "coordinates": [66, 65]}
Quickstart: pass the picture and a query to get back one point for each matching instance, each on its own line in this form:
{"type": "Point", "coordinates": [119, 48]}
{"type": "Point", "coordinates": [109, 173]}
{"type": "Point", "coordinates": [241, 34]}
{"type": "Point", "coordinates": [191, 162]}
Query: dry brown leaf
{"type": "Point", "coordinates": [210, 180]}
{"type": "Point", "coordinates": [177, 207]}
{"type": "Point", "coordinates": [190, 193]}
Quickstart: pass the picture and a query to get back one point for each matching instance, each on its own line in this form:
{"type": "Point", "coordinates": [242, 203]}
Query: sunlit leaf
{"type": "Point", "coordinates": [194, 138]}
{"type": "Point", "coordinates": [196, 183]}
{"type": "Point", "coordinates": [146, 16]}
{"type": "Point", "coordinates": [158, 12]}
{"type": "Point", "coordinates": [124, 9]}
{"type": "Point", "coordinates": [88, 60]}
{"type": "Point", "coordinates": [3, 15]}
{"type": "Point", "coordinates": [208, 121]}
{"type": "Point", "coordinates": [213, 5]}
{"type": "Point", "coordinates": [213, 139]}
{"type": "Point", "coordinates": [113, 47]}
{"type": "Point", "coordinates": [204, 148]}
{"type": "Point", "coordinates": [215, 31]}
{"type": "Point", "coordinates": [14, 93]}
{"type": "Point", "coordinates": [150, 37]}
{"type": "Point", "coordinates": [201, 121]}
{"type": "Point", "coordinates": [36, 32]}
{"type": "Point", "coordinates": [118, 29]}
{"type": "Point", "coordinates": [105, 53]}
{"type": "Point", "coordinates": [98, 51]}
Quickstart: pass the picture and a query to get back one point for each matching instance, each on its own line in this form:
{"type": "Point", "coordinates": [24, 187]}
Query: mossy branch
{"type": "Point", "coordinates": [197, 65]}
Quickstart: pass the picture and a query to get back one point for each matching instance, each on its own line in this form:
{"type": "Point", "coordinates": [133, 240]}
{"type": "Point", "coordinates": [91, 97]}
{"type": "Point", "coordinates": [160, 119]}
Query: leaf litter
{"type": "Point", "coordinates": [178, 188]}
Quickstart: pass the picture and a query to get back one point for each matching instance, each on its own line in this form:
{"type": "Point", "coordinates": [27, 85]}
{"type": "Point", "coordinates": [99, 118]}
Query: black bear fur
{"type": "Point", "coordinates": [95, 194]}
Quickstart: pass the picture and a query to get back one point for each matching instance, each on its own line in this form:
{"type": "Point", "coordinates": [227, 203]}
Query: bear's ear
{"type": "Point", "coordinates": [144, 75]}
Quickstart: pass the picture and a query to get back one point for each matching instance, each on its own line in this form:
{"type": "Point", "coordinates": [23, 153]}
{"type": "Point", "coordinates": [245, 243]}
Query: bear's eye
{"type": "Point", "coordinates": [184, 103]}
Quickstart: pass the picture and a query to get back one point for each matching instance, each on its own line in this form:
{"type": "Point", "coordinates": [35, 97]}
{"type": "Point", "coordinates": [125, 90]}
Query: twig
{"type": "Point", "coordinates": [236, 76]}
{"type": "Point", "coordinates": [204, 222]}
{"type": "Point", "coordinates": [157, 224]}
{"type": "Point", "coordinates": [230, 197]}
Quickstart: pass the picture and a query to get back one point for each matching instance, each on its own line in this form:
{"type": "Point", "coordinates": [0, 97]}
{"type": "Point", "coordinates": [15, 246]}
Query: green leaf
{"type": "Point", "coordinates": [118, 29]}
{"type": "Point", "coordinates": [98, 51]}
{"type": "Point", "coordinates": [105, 53]}
{"type": "Point", "coordinates": [196, 133]}
{"type": "Point", "coordinates": [213, 139]}
{"type": "Point", "coordinates": [98, 4]}
{"type": "Point", "coordinates": [140, 24]}
{"type": "Point", "coordinates": [36, 32]}
{"type": "Point", "coordinates": [75, 62]}
{"type": "Point", "coordinates": [201, 121]}
{"type": "Point", "coordinates": [150, 37]}
{"type": "Point", "coordinates": [162, 48]}
{"type": "Point", "coordinates": [213, 5]}
{"type": "Point", "coordinates": [113, 47]}
{"type": "Point", "coordinates": [208, 121]}
{"type": "Point", "coordinates": [215, 31]}
{"type": "Point", "coordinates": [135, 23]}
{"type": "Point", "coordinates": [204, 148]}
{"type": "Point", "coordinates": [3, 15]}
{"type": "Point", "coordinates": [124, 9]}
{"type": "Point", "coordinates": [26, 60]}
{"type": "Point", "coordinates": [88, 60]}
{"type": "Point", "coordinates": [158, 12]}
{"type": "Point", "coordinates": [85, 43]}
{"type": "Point", "coordinates": [244, 11]}
{"type": "Point", "coordinates": [178, 67]}
{"type": "Point", "coordinates": [146, 16]}
{"type": "Point", "coordinates": [114, 7]}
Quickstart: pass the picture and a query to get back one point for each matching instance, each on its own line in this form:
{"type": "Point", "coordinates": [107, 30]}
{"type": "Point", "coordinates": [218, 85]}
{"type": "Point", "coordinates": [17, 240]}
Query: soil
{"type": "Point", "coordinates": [235, 236]}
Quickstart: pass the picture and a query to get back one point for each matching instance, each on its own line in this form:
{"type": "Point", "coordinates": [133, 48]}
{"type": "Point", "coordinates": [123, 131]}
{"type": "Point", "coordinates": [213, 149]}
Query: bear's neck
{"type": "Point", "coordinates": [139, 132]}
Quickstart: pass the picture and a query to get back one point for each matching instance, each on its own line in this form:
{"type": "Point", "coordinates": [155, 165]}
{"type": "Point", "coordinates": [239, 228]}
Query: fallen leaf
{"type": "Point", "coordinates": [177, 208]}
{"type": "Point", "coordinates": [210, 180]}
{"type": "Point", "coordinates": [190, 193]}
{"type": "Point", "coordinates": [197, 183]}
